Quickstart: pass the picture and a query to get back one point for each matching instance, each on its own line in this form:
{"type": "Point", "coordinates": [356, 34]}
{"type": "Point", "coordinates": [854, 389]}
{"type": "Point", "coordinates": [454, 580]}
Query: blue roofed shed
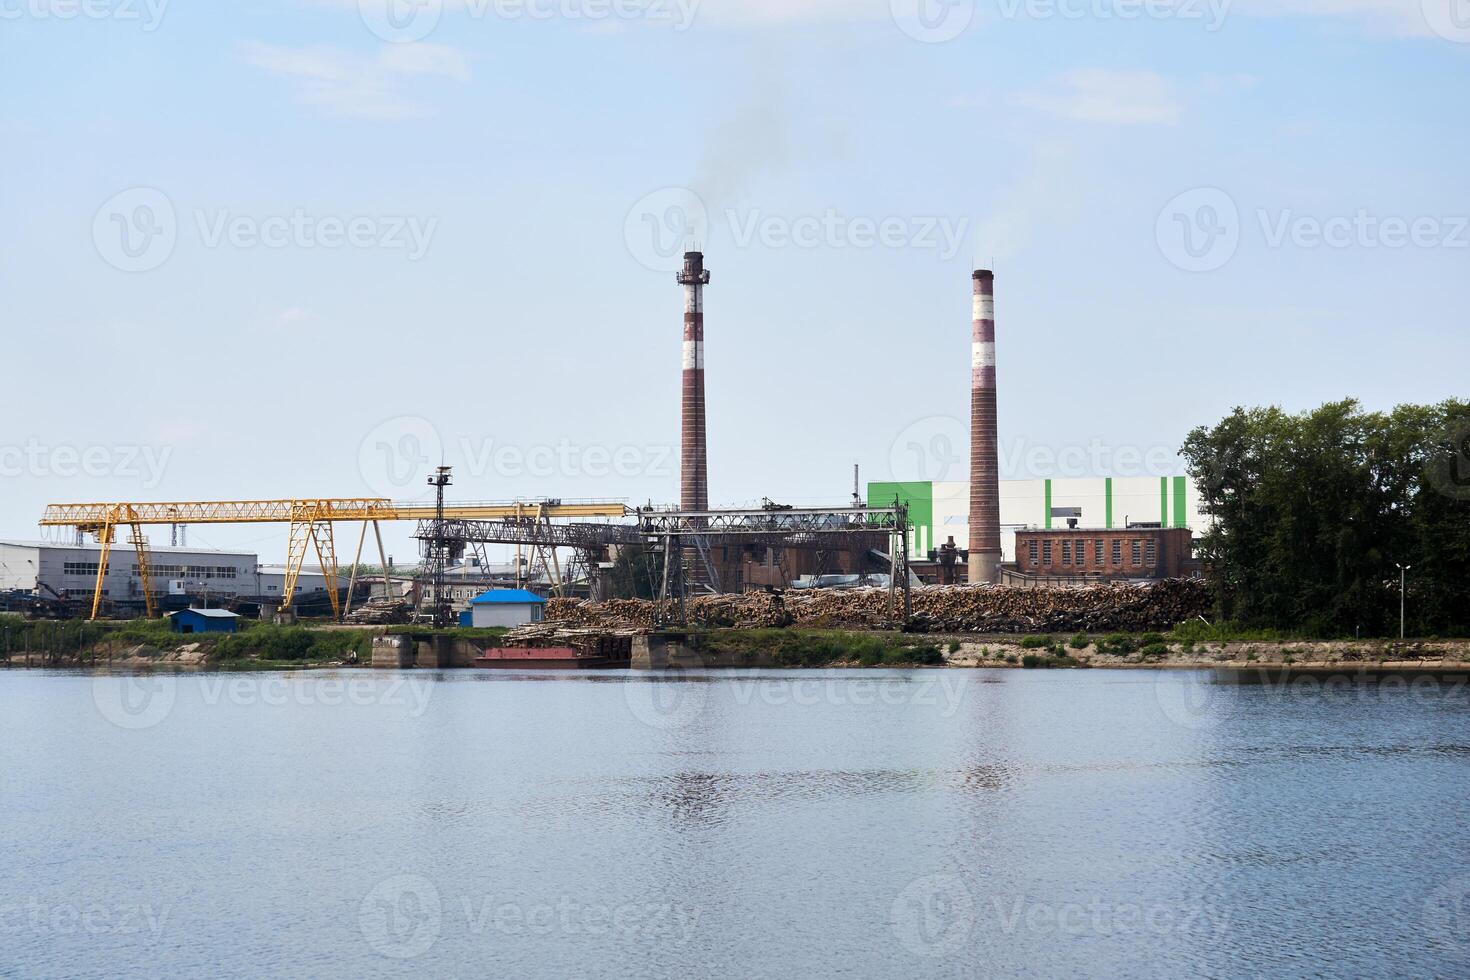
{"type": "Point", "coordinates": [507, 607]}
{"type": "Point", "coordinates": [203, 621]}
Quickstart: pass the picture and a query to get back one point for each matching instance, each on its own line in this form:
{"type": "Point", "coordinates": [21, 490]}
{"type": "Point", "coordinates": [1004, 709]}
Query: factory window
{"type": "Point", "coordinates": [1066, 552]}
{"type": "Point", "coordinates": [1137, 552]}
{"type": "Point", "coordinates": [1097, 551]}
{"type": "Point", "coordinates": [1046, 553]}
{"type": "Point", "coordinates": [1080, 550]}
{"type": "Point", "coordinates": [1117, 551]}
{"type": "Point", "coordinates": [1035, 551]}
{"type": "Point", "coordinates": [1151, 552]}
{"type": "Point", "coordinates": [81, 567]}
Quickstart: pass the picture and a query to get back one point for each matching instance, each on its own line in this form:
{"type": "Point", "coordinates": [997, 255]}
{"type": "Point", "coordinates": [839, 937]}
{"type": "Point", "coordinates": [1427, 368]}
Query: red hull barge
{"type": "Point", "coordinates": [609, 656]}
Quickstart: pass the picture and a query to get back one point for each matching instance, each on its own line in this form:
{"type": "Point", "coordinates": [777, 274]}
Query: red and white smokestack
{"type": "Point", "coordinates": [985, 552]}
{"type": "Point", "coordinates": [693, 462]}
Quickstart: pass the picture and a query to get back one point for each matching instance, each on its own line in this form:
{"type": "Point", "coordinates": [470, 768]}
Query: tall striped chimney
{"type": "Point", "coordinates": [985, 552]}
{"type": "Point", "coordinates": [693, 462]}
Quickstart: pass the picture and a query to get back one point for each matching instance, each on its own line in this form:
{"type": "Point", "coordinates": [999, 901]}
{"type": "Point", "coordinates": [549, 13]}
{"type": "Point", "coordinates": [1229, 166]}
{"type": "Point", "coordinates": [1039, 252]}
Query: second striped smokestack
{"type": "Point", "coordinates": [693, 462]}
{"type": "Point", "coordinates": [985, 551]}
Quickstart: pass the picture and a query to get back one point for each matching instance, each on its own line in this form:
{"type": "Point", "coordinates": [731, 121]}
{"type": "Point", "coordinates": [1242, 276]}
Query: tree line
{"type": "Point", "coordinates": [1314, 512]}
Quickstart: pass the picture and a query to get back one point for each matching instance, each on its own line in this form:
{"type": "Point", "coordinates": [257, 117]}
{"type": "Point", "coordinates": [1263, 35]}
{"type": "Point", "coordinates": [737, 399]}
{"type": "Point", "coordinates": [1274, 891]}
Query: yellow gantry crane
{"type": "Point", "coordinates": [311, 527]}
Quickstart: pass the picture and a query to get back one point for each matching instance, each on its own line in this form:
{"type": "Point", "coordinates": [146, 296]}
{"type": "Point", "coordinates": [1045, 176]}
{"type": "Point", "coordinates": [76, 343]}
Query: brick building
{"type": "Point", "coordinates": [1105, 554]}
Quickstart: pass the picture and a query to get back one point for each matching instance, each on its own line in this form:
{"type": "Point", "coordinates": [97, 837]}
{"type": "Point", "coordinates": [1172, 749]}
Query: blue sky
{"type": "Point", "coordinates": [348, 257]}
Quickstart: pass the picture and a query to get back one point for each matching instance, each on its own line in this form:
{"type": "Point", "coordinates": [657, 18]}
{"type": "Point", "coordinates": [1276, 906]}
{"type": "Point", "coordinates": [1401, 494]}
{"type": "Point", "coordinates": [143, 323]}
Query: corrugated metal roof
{"type": "Point", "coordinates": [507, 597]}
{"type": "Point", "coordinates": [209, 613]}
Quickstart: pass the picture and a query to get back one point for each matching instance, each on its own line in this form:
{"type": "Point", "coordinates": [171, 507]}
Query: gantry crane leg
{"type": "Point", "coordinates": [104, 537]}
{"type": "Point", "coordinates": [140, 547]}
{"type": "Point", "coordinates": [326, 554]}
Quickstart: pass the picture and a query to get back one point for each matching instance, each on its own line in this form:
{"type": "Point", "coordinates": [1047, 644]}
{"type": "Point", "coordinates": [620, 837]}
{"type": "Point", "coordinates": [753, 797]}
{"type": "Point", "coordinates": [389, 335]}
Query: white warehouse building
{"type": "Point", "coordinates": [70, 571]}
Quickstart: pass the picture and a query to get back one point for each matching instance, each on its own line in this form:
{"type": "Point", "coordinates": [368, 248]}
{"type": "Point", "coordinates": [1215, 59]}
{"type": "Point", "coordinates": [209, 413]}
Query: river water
{"type": "Point", "coordinates": [750, 824]}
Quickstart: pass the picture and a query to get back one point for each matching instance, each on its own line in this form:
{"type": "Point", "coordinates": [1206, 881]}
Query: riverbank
{"type": "Point", "coordinates": [150, 645]}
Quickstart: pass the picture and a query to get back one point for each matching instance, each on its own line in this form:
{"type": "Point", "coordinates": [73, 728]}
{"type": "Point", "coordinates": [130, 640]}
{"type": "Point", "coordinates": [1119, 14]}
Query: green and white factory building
{"type": "Point", "coordinates": [939, 511]}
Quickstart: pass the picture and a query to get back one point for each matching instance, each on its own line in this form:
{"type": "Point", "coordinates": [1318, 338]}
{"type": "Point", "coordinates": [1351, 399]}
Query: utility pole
{"type": "Point", "coordinates": [438, 550]}
{"type": "Point", "coordinates": [1403, 584]}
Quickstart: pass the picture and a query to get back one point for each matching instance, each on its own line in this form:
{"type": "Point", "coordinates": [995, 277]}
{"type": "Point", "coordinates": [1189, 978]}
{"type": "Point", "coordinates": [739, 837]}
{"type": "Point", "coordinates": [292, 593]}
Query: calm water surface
{"type": "Point", "coordinates": [750, 824]}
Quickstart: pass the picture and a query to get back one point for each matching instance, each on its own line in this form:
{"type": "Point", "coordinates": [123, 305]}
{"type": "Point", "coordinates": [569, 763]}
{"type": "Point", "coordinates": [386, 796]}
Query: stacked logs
{"type": "Point", "coordinates": [1094, 609]}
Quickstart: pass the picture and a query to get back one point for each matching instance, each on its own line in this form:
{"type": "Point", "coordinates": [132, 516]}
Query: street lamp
{"type": "Point", "coordinates": [1403, 578]}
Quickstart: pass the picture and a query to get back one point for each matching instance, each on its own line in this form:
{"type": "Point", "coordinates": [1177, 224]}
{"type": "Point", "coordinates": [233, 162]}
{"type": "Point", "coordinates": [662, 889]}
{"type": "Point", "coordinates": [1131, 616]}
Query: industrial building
{"type": "Point", "coordinates": [940, 511]}
{"type": "Point", "coordinates": [69, 571]}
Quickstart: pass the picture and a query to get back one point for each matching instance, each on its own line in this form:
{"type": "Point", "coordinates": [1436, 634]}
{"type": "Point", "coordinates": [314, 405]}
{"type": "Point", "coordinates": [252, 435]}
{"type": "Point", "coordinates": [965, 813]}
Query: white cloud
{"type": "Point", "coordinates": [347, 84]}
{"type": "Point", "coordinates": [1117, 98]}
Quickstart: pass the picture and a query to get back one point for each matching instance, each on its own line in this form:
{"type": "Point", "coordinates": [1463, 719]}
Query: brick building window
{"type": "Point", "coordinates": [1035, 551]}
{"type": "Point", "coordinates": [1138, 552]}
{"type": "Point", "coordinates": [1151, 552]}
{"type": "Point", "coordinates": [1097, 551]}
{"type": "Point", "coordinates": [1117, 551]}
{"type": "Point", "coordinates": [1066, 552]}
{"type": "Point", "coordinates": [1046, 553]}
{"type": "Point", "coordinates": [1080, 550]}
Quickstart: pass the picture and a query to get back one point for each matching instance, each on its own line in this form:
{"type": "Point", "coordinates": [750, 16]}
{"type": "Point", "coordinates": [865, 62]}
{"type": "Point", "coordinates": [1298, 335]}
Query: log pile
{"type": "Point", "coordinates": [380, 612]}
{"type": "Point", "coordinates": [939, 609]}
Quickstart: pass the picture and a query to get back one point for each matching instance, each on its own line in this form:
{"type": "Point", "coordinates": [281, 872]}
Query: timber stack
{"type": "Point", "coordinates": [937, 609]}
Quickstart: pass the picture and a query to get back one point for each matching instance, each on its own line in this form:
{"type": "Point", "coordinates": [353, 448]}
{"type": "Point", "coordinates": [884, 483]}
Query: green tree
{"type": "Point", "coordinates": [1313, 512]}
